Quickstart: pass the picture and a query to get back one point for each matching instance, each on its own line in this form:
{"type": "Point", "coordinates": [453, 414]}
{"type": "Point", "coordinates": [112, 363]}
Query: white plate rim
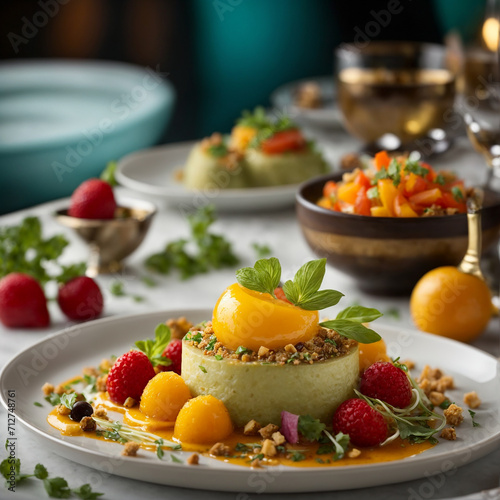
{"type": "Point", "coordinates": [287, 475]}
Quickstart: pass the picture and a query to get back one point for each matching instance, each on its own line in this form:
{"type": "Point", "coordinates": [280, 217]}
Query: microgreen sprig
{"type": "Point", "coordinates": [153, 349]}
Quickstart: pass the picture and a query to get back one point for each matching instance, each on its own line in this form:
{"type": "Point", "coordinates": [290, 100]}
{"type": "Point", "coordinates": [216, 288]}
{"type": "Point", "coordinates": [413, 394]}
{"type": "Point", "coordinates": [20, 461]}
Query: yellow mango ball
{"type": "Point", "coordinates": [243, 317]}
{"type": "Point", "coordinates": [203, 420]}
{"type": "Point", "coordinates": [164, 396]}
{"type": "Point", "coordinates": [451, 303]}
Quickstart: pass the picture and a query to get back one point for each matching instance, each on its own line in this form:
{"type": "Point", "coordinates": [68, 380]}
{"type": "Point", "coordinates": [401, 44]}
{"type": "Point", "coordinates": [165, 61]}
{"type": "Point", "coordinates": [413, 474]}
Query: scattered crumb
{"type": "Point", "coordinates": [444, 383]}
{"type": "Point", "coordinates": [251, 428]}
{"type": "Point", "coordinates": [105, 365]}
{"type": "Point", "coordinates": [179, 327]}
{"type": "Point", "coordinates": [268, 448]}
{"type": "Point", "coordinates": [63, 410]}
{"type": "Point", "coordinates": [471, 399]}
{"type": "Point", "coordinates": [100, 383]}
{"type": "Point", "coordinates": [60, 390]}
{"type": "Point", "coordinates": [47, 389]}
{"type": "Point", "coordinates": [219, 450]}
{"type": "Point", "coordinates": [90, 371]}
{"type": "Point", "coordinates": [354, 453]}
{"type": "Point", "coordinates": [130, 449]}
{"type": "Point", "coordinates": [449, 434]}
{"type": "Point", "coordinates": [436, 398]}
{"type": "Point", "coordinates": [130, 403]}
{"type": "Point", "coordinates": [278, 438]}
{"type": "Point", "coordinates": [194, 459]}
{"type": "Point", "coordinates": [88, 424]}
{"type": "Point", "coordinates": [101, 412]}
{"type": "Point", "coordinates": [255, 463]}
{"type": "Point", "coordinates": [409, 364]}
{"type": "Point", "coordinates": [453, 415]}
{"type": "Point", "coordinates": [263, 352]}
{"type": "Point", "coordinates": [268, 431]}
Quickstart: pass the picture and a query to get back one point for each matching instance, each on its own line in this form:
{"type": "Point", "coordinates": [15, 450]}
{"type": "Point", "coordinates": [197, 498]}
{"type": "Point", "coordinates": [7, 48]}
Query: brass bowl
{"type": "Point", "coordinates": [111, 240]}
{"type": "Point", "coordinates": [388, 255]}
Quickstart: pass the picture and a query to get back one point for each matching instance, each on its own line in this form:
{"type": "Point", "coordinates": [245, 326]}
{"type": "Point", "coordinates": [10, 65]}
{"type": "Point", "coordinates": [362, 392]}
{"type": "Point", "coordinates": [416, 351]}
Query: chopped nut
{"type": "Point", "coordinates": [436, 398]}
{"type": "Point", "coordinates": [101, 412]}
{"type": "Point", "coordinates": [278, 438]}
{"type": "Point", "coordinates": [444, 383]}
{"type": "Point", "coordinates": [426, 386]}
{"type": "Point", "coordinates": [60, 390]}
{"type": "Point", "coordinates": [101, 383]}
{"type": "Point", "coordinates": [88, 424]}
{"type": "Point", "coordinates": [268, 431]}
{"type": "Point", "coordinates": [268, 448]}
{"type": "Point", "coordinates": [219, 450]}
{"type": "Point", "coordinates": [255, 463]}
{"type": "Point", "coordinates": [449, 434]}
{"type": "Point", "coordinates": [179, 327]}
{"type": "Point", "coordinates": [251, 428]}
{"type": "Point", "coordinates": [453, 415]}
{"type": "Point", "coordinates": [245, 358]}
{"type": "Point", "coordinates": [430, 373]}
{"type": "Point", "coordinates": [194, 459]}
{"type": "Point", "coordinates": [263, 351]}
{"type": "Point", "coordinates": [290, 348]}
{"type": "Point", "coordinates": [409, 364]}
{"type": "Point", "coordinates": [47, 389]}
{"type": "Point", "coordinates": [130, 403]}
{"type": "Point", "coordinates": [105, 365]}
{"type": "Point", "coordinates": [354, 453]}
{"type": "Point", "coordinates": [471, 399]}
{"type": "Point", "coordinates": [63, 410]}
{"type": "Point", "coordinates": [130, 449]}
{"type": "Point", "coordinates": [90, 371]}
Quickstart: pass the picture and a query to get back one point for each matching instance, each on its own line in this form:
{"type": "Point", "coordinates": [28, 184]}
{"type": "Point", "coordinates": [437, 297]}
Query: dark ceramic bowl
{"type": "Point", "coordinates": [388, 255]}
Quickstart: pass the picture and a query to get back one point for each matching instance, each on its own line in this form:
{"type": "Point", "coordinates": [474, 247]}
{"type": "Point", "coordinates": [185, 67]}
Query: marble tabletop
{"type": "Point", "coordinates": [280, 231]}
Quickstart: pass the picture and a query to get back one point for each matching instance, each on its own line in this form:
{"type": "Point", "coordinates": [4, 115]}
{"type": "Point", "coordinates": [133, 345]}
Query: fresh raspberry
{"type": "Point", "coordinates": [80, 298]}
{"type": "Point", "coordinates": [387, 382]}
{"type": "Point", "coordinates": [93, 199]}
{"type": "Point", "coordinates": [128, 377]}
{"type": "Point", "coordinates": [22, 302]}
{"type": "Point", "coordinates": [173, 351]}
{"type": "Point", "coordinates": [365, 426]}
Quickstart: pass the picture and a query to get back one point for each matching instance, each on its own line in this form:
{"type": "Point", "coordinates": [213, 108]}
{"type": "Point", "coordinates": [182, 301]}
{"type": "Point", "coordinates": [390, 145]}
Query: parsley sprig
{"type": "Point", "coordinates": [153, 349]}
{"type": "Point", "coordinates": [211, 251]}
{"type": "Point", "coordinates": [56, 487]}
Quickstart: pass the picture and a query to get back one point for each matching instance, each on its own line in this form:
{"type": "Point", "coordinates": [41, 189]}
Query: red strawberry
{"type": "Point", "coordinates": [173, 351]}
{"type": "Point", "coordinates": [80, 298]}
{"type": "Point", "coordinates": [22, 302]}
{"type": "Point", "coordinates": [365, 426]}
{"type": "Point", "coordinates": [93, 199]}
{"type": "Point", "coordinates": [128, 376]}
{"type": "Point", "coordinates": [384, 381]}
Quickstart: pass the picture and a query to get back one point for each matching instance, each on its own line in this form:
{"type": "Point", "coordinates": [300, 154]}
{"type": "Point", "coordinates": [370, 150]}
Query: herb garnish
{"type": "Point", "coordinates": [297, 456]}
{"type": "Point", "coordinates": [108, 174]}
{"type": "Point", "coordinates": [202, 368]}
{"type": "Point", "coordinates": [457, 193]}
{"type": "Point", "coordinates": [218, 150]}
{"type": "Point", "coordinates": [213, 251]}
{"type": "Point", "coordinates": [194, 336]}
{"type": "Point", "coordinates": [153, 349]}
{"type": "Point", "coordinates": [242, 350]}
{"type": "Point", "coordinates": [310, 427]}
{"type": "Point", "coordinates": [68, 400]}
{"type": "Point", "coordinates": [472, 415]}
{"type": "Point", "coordinates": [261, 250]}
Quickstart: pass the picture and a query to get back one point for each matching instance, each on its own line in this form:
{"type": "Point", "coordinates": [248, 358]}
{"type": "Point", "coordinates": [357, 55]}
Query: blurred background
{"type": "Point", "coordinates": [221, 56]}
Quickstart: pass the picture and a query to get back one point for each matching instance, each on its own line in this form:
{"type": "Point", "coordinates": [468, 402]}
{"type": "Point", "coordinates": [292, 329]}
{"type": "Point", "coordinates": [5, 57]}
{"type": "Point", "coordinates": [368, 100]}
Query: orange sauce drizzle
{"type": "Point", "coordinates": [396, 450]}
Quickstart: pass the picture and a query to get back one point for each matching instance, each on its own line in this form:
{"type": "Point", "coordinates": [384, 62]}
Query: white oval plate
{"type": "Point", "coordinates": [328, 115]}
{"type": "Point", "coordinates": [152, 171]}
{"type": "Point", "coordinates": [61, 356]}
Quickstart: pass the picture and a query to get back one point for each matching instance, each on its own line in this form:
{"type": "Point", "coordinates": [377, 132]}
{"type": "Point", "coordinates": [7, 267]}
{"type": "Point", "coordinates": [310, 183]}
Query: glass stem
{"type": "Point", "coordinates": [470, 262]}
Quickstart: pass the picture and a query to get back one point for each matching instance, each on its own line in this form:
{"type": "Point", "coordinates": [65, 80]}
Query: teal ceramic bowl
{"type": "Point", "coordinates": [61, 121]}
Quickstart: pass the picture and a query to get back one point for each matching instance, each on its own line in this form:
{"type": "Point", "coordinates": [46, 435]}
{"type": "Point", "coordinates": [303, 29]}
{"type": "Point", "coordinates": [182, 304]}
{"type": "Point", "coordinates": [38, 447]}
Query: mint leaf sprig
{"type": "Point", "coordinates": [349, 323]}
{"type": "Point", "coordinates": [264, 277]}
{"type": "Point", "coordinates": [153, 349]}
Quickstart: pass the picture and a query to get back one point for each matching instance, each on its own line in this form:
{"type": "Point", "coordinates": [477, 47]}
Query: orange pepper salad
{"type": "Point", "coordinates": [396, 187]}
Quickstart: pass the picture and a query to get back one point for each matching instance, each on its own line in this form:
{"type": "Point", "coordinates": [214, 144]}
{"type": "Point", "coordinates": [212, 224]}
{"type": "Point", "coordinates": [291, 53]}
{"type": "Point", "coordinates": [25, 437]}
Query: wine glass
{"type": "Point", "coordinates": [481, 99]}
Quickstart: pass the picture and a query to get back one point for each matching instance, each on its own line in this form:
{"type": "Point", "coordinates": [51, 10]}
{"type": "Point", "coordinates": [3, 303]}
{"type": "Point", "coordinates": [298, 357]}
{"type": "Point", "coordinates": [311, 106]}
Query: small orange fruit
{"type": "Point", "coordinates": [243, 317]}
{"type": "Point", "coordinates": [448, 302]}
{"type": "Point", "coordinates": [371, 353]}
{"type": "Point", "coordinates": [164, 396]}
{"type": "Point", "coordinates": [203, 420]}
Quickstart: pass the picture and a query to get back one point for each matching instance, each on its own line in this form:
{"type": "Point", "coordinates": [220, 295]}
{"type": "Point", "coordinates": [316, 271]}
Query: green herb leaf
{"type": "Point", "coordinates": [159, 450]}
{"type": "Point", "coordinates": [211, 343]}
{"type": "Point", "coordinates": [218, 150]}
{"type": "Point", "coordinates": [261, 250]}
{"type": "Point", "coordinates": [393, 171]}
{"type": "Point", "coordinates": [153, 349]}
{"type": "Point", "coordinates": [202, 368]}
{"type": "Point", "coordinates": [359, 314]}
{"type": "Point", "coordinates": [297, 456]}
{"type": "Point", "coordinates": [352, 330]}
{"type": "Point", "coordinates": [373, 193]}
{"type": "Point", "coordinates": [40, 472]}
{"type": "Point", "coordinates": [36, 403]}
{"type": "Point", "coordinates": [175, 459]}
{"type": "Point", "coordinates": [218, 357]}
{"type": "Point", "coordinates": [321, 300]}
{"type": "Point", "coordinates": [264, 277]}
{"type": "Point", "coordinates": [393, 312]}
{"type": "Point", "coordinates": [149, 282]}
{"type": "Point", "coordinates": [57, 487]}
{"type": "Point", "coordinates": [194, 336]}
{"type": "Point", "coordinates": [257, 119]}
{"type": "Point", "coordinates": [53, 398]}
{"type": "Point", "coordinates": [330, 341]}
{"type": "Point", "coordinates": [6, 470]}
{"type": "Point", "coordinates": [440, 180]}
{"type": "Point", "coordinates": [117, 289]}
{"type": "Point", "coordinates": [416, 168]}
{"type": "Point", "coordinates": [310, 427]}
{"type": "Point", "coordinates": [71, 271]}
{"type": "Point", "coordinates": [472, 415]}
{"type": "Point", "coordinates": [68, 400]}
{"type": "Point", "coordinates": [241, 350]}
{"type": "Point", "coordinates": [108, 174]}
{"type": "Point", "coordinates": [85, 493]}
{"type": "Point", "coordinates": [457, 194]}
